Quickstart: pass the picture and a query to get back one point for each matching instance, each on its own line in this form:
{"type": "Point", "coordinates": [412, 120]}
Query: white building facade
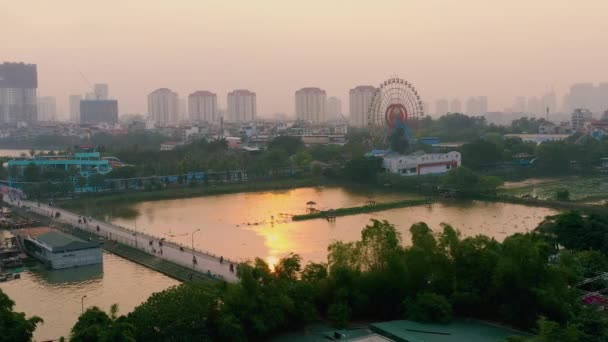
{"type": "Point", "coordinates": [163, 106]}
{"type": "Point", "coordinates": [360, 99]}
{"type": "Point", "coordinates": [241, 106]}
{"type": "Point", "coordinates": [421, 164]}
{"type": "Point", "coordinates": [310, 104]}
{"type": "Point", "coordinates": [202, 106]}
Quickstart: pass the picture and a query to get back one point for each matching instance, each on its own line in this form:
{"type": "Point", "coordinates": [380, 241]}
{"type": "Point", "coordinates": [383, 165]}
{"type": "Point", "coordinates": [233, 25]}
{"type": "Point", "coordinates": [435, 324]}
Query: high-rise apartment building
{"type": "Point", "coordinates": [47, 108]}
{"type": "Point", "coordinates": [163, 106]}
{"type": "Point", "coordinates": [333, 108]}
{"type": "Point", "coordinates": [241, 106]}
{"type": "Point", "coordinates": [18, 84]}
{"type": "Point", "coordinates": [101, 91]}
{"type": "Point", "coordinates": [75, 108]}
{"type": "Point", "coordinates": [99, 111]}
{"type": "Point", "coordinates": [310, 104]}
{"type": "Point", "coordinates": [579, 118]}
{"type": "Point", "coordinates": [442, 107]}
{"type": "Point", "coordinates": [202, 106]}
{"type": "Point", "coordinates": [455, 106]}
{"type": "Point", "coordinates": [360, 99]}
{"type": "Point", "coordinates": [476, 105]}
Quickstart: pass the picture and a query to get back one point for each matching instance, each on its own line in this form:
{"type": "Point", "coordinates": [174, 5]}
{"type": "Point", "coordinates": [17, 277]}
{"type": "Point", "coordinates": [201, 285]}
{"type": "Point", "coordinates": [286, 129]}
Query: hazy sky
{"type": "Point", "coordinates": [446, 48]}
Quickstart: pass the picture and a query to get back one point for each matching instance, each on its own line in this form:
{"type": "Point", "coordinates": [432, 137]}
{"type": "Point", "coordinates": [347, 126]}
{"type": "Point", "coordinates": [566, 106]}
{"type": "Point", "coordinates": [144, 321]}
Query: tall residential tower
{"type": "Point", "coordinates": [310, 104]}
{"type": "Point", "coordinates": [360, 99]}
{"type": "Point", "coordinates": [18, 84]}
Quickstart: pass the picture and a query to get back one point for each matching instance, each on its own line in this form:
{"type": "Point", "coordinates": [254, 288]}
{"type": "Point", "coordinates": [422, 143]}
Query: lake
{"type": "Point", "coordinates": [248, 225]}
{"type": "Point", "coordinates": [55, 295]}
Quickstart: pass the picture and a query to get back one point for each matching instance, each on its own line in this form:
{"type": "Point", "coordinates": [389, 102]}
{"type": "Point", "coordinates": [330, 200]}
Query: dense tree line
{"type": "Point", "coordinates": [525, 281]}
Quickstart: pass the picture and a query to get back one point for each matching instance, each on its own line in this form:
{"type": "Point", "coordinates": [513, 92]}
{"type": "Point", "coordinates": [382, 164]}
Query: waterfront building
{"type": "Point", "coordinates": [18, 84]}
{"type": "Point", "coordinates": [86, 164]}
{"type": "Point", "coordinates": [360, 99]}
{"type": "Point", "coordinates": [241, 106]}
{"type": "Point", "coordinates": [420, 164]}
{"type": "Point", "coordinates": [75, 108]}
{"type": "Point", "coordinates": [310, 105]}
{"type": "Point", "coordinates": [202, 106]}
{"type": "Point", "coordinates": [58, 250]}
{"type": "Point", "coordinates": [46, 107]}
{"type": "Point", "coordinates": [163, 106]}
{"type": "Point", "coordinates": [99, 111]}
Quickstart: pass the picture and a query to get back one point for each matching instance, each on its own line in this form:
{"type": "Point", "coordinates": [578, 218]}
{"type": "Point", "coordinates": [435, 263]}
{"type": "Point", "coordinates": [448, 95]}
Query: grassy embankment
{"type": "Point", "coordinates": [362, 209]}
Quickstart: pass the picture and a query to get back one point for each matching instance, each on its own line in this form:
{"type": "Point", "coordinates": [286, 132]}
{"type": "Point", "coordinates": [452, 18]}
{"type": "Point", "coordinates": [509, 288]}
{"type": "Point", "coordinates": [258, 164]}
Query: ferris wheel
{"type": "Point", "coordinates": [395, 104]}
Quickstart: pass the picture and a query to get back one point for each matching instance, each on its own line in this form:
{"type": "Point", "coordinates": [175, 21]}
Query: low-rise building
{"type": "Point", "coordinates": [168, 145]}
{"type": "Point", "coordinates": [58, 250]}
{"type": "Point", "coordinates": [420, 164]}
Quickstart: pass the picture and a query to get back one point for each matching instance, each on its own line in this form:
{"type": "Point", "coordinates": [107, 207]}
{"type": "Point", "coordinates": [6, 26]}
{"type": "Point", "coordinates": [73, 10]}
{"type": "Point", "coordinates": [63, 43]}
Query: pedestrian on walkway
{"type": "Point", "coordinates": [221, 260]}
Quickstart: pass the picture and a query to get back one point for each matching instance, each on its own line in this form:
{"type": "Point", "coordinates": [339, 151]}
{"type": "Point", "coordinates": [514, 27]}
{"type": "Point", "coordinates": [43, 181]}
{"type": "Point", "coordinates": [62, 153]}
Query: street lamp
{"type": "Point", "coordinates": [82, 304]}
{"type": "Point", "coordinates": [193, 256]}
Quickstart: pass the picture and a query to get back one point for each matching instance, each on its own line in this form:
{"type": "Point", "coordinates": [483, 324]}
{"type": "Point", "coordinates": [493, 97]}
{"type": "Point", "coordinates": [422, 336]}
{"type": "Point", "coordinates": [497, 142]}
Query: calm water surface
{"type": "Point", "coordinates": [14, 152]}
{"type": "Point", "coordinates": [247, 225]}
{"type": "Point", "coordinates": [55, 295]}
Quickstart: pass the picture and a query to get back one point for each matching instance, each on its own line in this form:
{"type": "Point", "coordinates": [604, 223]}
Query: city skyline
{"type": "Point", "coordinates": [462, 49]}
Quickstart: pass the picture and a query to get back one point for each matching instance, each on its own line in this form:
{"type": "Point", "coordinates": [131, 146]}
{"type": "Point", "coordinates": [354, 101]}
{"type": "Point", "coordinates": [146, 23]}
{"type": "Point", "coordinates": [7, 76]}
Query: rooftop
{"type": "Point", "coordinates": [459, 330]}
{"type": "Point", "coordinates": [61, 242]}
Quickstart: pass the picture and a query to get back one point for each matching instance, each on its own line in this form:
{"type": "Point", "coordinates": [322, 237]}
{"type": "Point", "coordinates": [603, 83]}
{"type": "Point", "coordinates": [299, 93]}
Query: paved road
{"type": "Point", "coordinates": [159, 247]}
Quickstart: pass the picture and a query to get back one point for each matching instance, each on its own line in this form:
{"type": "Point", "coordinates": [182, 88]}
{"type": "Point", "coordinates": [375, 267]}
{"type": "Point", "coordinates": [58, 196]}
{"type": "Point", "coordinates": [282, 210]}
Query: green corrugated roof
{"type": "Point", "coordinates": [460, 330]}
{"type": "Point", "coordinates": [63, 242]}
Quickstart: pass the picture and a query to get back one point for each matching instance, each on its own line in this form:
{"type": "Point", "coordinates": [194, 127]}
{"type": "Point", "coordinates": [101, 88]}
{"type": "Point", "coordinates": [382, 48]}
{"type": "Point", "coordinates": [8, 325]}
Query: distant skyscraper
{"type": "Point", "coordinates": [163, 106]}
{"type": "Point", "coordinates": [360, 99]}
{"type": "Point", "coordinates": [534, 107]}
{"type": "Point", "coordinates": [442, 107]}
{"type": "Point", "coordinates": [472, 106]}
{"type": "Point", "coordinates": [549, 102]}
{"type": "Point", "coordinates": [333, 108]}
{"type": "Point", "coordinates": [101, 91]}
{"type": "Point", "coordinates": [581, 95]}
{"type": "Point", "coordinates": [455, 106]}
{"type": "Point", "coordinates": [310, 104]}
{"type": "Point", "coordinates": [519, 106]}
{"type": "Point", "coordinates": [75, 107]}
{"type": "Point", "coordinates": [18, 84]}
{"type": "Point", "coordinates": [241, 106]}
{"type": "Point", "coordinates": [202, 106]}
{"type": "Point", "coordinates": [483, 104]}
{"type": "Point", "coordinates": [99, 111]}
{"type": "Point", "coordinates": [47, 108]}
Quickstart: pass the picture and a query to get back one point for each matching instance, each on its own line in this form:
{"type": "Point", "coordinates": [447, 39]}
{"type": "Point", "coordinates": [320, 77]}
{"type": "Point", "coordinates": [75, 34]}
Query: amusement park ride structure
{"type": "Point", "coordinates": [395, 105]}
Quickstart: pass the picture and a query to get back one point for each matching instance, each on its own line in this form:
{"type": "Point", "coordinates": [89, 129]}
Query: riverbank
{"type": "Point", "coordinates": [368, 208]}
{"type": "Point", "coordinates": [100, 199]}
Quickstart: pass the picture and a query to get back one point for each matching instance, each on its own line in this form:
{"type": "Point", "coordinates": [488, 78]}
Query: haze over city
{"type": "Point", "coordinates": [448, 49]}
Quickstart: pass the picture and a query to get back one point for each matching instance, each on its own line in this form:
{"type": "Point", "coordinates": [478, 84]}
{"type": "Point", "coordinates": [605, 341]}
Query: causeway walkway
{"type": "Point", "coordinates": [197, 260]}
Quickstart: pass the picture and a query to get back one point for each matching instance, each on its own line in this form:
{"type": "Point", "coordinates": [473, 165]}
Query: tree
{"type": "Point", "coordinates": [14, 326]}
{"type": "Point", "coordinates": [399, 140]}
{"type": "Point", "coordinates": [94, 325]}
{"type": "Point", "coordinates": [429, 307]}
{"type": "Point", "coordinates": [363, 169]}
{"type": "Point", "coordinates": [290, 144]}
{"type": "Point", "coordinates": [97, 181]}
{"type": "Point", "coordinates": [31, 173]}
{"type": "Point", "coordinates": [82, 182]}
